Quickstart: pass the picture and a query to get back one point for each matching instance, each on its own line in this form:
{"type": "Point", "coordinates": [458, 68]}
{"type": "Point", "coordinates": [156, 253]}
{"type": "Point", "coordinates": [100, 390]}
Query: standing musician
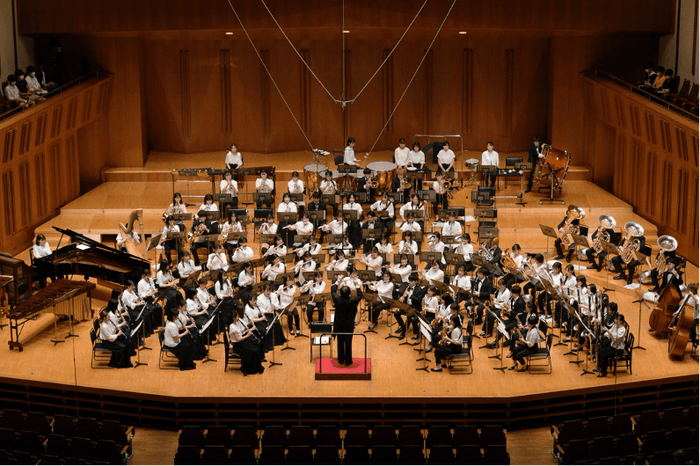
{"type": "Point", "coordinates": [384, 246]}
{"type": "Point", "coordinates": [399, 184]}
{"type": "Point", "coordinates": [229, 186]}
{"type": "Point", "coordinates": [453, 343]}
{"type": "Point", "coordinates": [287, 206]}
{"type": "Point", "coordinates": [591, 254]}
{"type": "Point", "coordinates": [617, 262]}
{"type": "Point", "coordinates": [306, 264]}
{"type": "Point", "coordinates": [614, 346]}
{"type": "Point", "coordinates": [264, 185]}
{"type": "Point", "coordinates": [217, 259]}
{"type": "Point", "coordinates": [273, 269]}
{"type": "Point", "coordinates": [269, 303]}
{"type": "Point", "coordinates": [174, 338]}
{"type": "Point", "coordinates": [401, 154]}
{"type": "Point", "coordinates": [278, 248]}
{"type": "Point", "coordinates": [232, 225]}
{"type": "Point", "coordinates": [268, 227]}
{"type": "Point", "coordinates": [176, 207]}
{"type": "Point", "coordinates": [567, 290]}
{"type": "Point", "coordinates": [317, 205]}
{"type": "Point", "coordinates": [384, 289]}
{"type": "Point", "coordinates": [489, 157]}
{"type": "Point", "coordinates": [463, 282]}
{"type": "Point", "coordinates": [344, 320]}
{"type": "Point", "coordinates": [501, 302]}
{"type": "Point", "coordinates": [109, 334]}
{"type": "Point", "coordinates": [234, 159]}
{"type": "Point", "coordinates": [385, 204]}
{"type": "Point", "coordinates": [201, 226]}
{"type": "Point", "coordinates": [440, 193]}
{"type": "Point", "coordinates": [365, 185]}
{"type": "Point", "coordinates": [483, 289]}
{"type": "Point", "coordinates": [528, 344]}
{"type": "Point", "coordinates": [223, 289]}
{"type": "Point", "coordinates": [407, 245]}
{"type": "Point", "coordinates": [243, 252]}
{"type": "Point", "coordinates": [534, 153]}
{"type": "Point", "coordinates": [446, 158]}
{"type": "Point", "coordinates": [329, 186]}
{"type": "Point", "coordinates": [153, 314]}
{"type": "Point", "coordinates": [416, 158]}
{"type": "Point", "coordinates": [466, 248]}
{"type": "Point", "coordinates": [413, 295]}
{"type": "Point", "coordinates": [452, 227]}
{"type": "Point", "coordinates": [371, 224]}
{"type": "Point", "coordinates": [315, 287]}
{"type": "Point", "coordinates": [509, 279]}
{"type": "Point", "coordinates": [169, 243]}
{"type": "Point", "coordinates": [286, 297]}
{"type": "Point", "coordinates": [354, 230]}
{"type": "Point", "coordinates": [244, 343]}
{"type": "Point", "coordinates": [296, 186]}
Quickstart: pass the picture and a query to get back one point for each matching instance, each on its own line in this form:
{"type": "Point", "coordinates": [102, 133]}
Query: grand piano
{"type": "Point", "coordinates": [89, 258]}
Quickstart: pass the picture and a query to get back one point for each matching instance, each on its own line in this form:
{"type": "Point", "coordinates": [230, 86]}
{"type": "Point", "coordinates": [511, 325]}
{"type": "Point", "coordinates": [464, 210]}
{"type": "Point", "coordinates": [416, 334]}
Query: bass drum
{"type": "Point", "coordinates": [555, 161]}
{"type": "Point", "coordinates": [314, 173]}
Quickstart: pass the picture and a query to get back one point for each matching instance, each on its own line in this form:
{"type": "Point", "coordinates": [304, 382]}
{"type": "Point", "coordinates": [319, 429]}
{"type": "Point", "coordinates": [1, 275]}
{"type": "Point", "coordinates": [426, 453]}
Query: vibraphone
{"type": "Point", "coordinates": [61, 297]}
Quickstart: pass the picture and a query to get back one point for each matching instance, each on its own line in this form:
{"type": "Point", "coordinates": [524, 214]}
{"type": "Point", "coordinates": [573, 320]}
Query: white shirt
{"type": "Point", "coordinates": [502, 300]}
{"type": "Point", "coordinates": [438, 187]}
{"type": "Point", "coordinates": [228, 228]}
{"type": "Point", "coordinates": [349, 156]}
{"type": "Point", "coordinates": [268, 183]}
{"type": "Point", "coordinates": [401, 156]}
{"type": "Point", "coordinates": [186, 268]}
{"type": "Point", "coordinates": [313, 250]}
{"type": "Point", "coordinates": [209, 208]}
{"type": "Point", "coordinates": [173, 229]}
{"type": "Point", "coordinates": [222, 290]}
{"type": "Point", "coordinates": [380, 206]}
{"type": "Point", "coordinates": [464, 282]}
{"type": "Point", "coordinates": [283, 298]}
{"type": "Point", "coordinates": [304, 227]}
{"type": "Point", "coordinates": [295, 186]}
{"type": "Point", "coordinates": [403, 271]}
{"type": "Point", "coordinates": [163, 278]}
{"type": "Point", "coordinates": [617, 336]}
{"type": "Point", "coordinates": [328, 187]}
{"type": "Point", "coordinates": [316, 287]}
{"type": "Point", "coordinates": [287, 207]}
{"type": "Point", "coordinates": [271, 271]}
{"type": "Point", "coordinates": [533, 337]}
{"type": "Point", "coordinates": [385, 248]}
{"type": "Point", "coordinates": [244, 278]}
{"type": "Point", "coordinates": [489, 158]}
{"type": "Point", "coordinates": [452, 229]}
{"type": "Point", "coordinates": [408, 207]}
{"type": "Point", "coordinates": [302, 267]}
{"type": "Point", "coordinates": [217, 261]}
{"type": "Point", "coordinates": [129, 299]}
{"type": "Point", "coordinates": [203, 297]}
{"type": "Point", "coordinates": [445, 157]}
{"type": "Point", "coordinates": [33, 85]}
{"type": "Point", "coordinates": [232, 190]}
{"type": "Point", "coordinates": [12, 92]}
{"type": "Point", "coordinates": [339, 264]}
{"type": "Point", "coordinates": [41, 251]}
{"type": "Point", "coordinates": [265, 303]}
{"type": "Point", "coordinates": [410, 226]}
{"type": "Point", "coordinates": [107, 332]}
{"type": "Point", "coordinates": [413, 247]}
{"type": "Point", "coordinates": [234, 159]}
{"type": "Point", "coordinates": [434, 275]}
{"type": "Point", "coordinates": [336, 227]}
{"type": "Point", "coordinates": [268, 229]}
{"type": "Point", "coordinates": [171, 331]}
{"type": "Point", "coordinates": [180, 208]}
{"type": "Point", "coordinates": [466, 249]}
{"type": "Point", "coordinates": [280, 250]}
{"type": "Point", "coordinates": [430, 304]}
{"type": "Point", "coordinates": [375, 264]}
{"type": "Point", "coordinates": [242, 254]}
{"type": "Point", "coordinates": [384, 289]}
{"type": "Point", "coordinates": [253, 312]}
{"type": "Point", "coordinates": [353, 206]}
{"type": "Point", "coordinates": [144, 287]}
{"type": "Point", "coordinates": [416, 158]}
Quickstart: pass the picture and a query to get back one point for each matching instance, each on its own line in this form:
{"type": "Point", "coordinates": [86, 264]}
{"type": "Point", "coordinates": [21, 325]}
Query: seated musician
{"type": "Point", "coordinates": [434, 273]}
{"type": "Point", "coordinates": [285, 295]}
{"type": "Point", "coordinates": [373, 262]}
{"type": "Point", "coordinates": [278, 248]}
{"type": "Point", "coordinates": [118, 318]}
{"type": "Point", "coordinates": [615, 345]}
{"type": "Point", "coordinates": [273, 269]}
{"type": "Point", "coordinates": [446, 308]}
{"type": "Point", "coordinates": [313, 247]}
{"type": "Point", "coordinates": [41, 249]}
{"type": "Point", "coordinates": [413, 295]}
{"type": "Point", "coordinates": [539, 270]}
{"type": "Point", "coordinates": [591, 254]}
{"type": "Point", "coordinates": [430, 303]}
{"type": "Point", "coordinates": [617, 262]}
{"type": "Point", "coordinates": [340, 263]}
{"type": "Point", "coordinates": [407, 245]}
{"type": "Point", "coordinates": [243, 252]}
{"type": "Point", "coordinates": [440, 194]}
{"type": "Point", "coordinates": [186, 319]}
{"type": "Point", "coordinates": [314, 287]}
{"type": "Point", "coordinates": [415, 204]}
{"type": "Point", "coordinates": [384, 246]}
{"type": "Point", "coordinates": [285, 227]}
{"type": "Point", "coordinates": [244, 343]}
{"type": "Point", "coordinates": [232, 225]}
{"type": "Point", "coordinates": [185, 268]}
{"type": "Point", "coordinates": [302, 228]}
{"type": "Point", "coordinates": [296, 186]}
{"type": "Point", "coordinates": [399, 184]}
{"type": "Point", "coordinates": [463, 282]}
{"type": "Point", "coordinates": [346, 246]}
{"type": "Point", "coordinates": [166, 240]}
{"type": "Point", "coordinates": [556, 279]}
{"type": "Point", "coordinates": [385, 205]}
{"type": "Point", "coordinates": [176, 339]}
{"type": "Point", "coordinates": [568, 286]}
{"type": "Point", "coordinates": [672, 275]}
{"type": "Point", "coordinates": [403, 269]}
{"type": "Point", "coordinates": [384, 289]}
{"type": "Point", "coordinates": [354, 229]}
{"type": "Point", "coordinates": [501, 302]}
{"type": "Point", "coordinates": [452, 227]}
{"type": "Point", "coordinates": [268, 302]}
{"type": "Point", "coordinates": [201, 226]}
{"type": "Point", "coordinates": [134, 235]}
{"type": "Point", "coordinates": [401, 154]}
{"type": "Point", "coordinates": [489, 157]}
{"type": "Point", "coordinates": [496, 253]}
{"type": "Point", "coordinates": [446, 158]}
{"type": "Point", "coordinates": [435, 244]}
{"type": "Point", "coordinates": [316, 205]}
{"type": "Point", "coordinates": [371, 224]}
{"type": "Point", "coordinates": [205, 301]}
{"type": "Point", "coordinates": [153, 312]}
{"type": "Point", "coordinates": [580, 303]}
{"type": "Point", "coordinates": [364, 185]}
{"type": "Point", "coordinates": [453, 343]}
{"type": "Point", "coordinates": [528, 345]}
{"type": "Point", "coordinates": [329, 186]}
{"type": "Point", "coordinates": [165, 282]}
{"type": "Point", "coordinates": [209, 206]}
{"type": "Point", "coordinates": [410, 224]}
{"type": "Point", "coordinates": [306, 264]}
{"type": "Point", "coordinates": [558, 241]}
{"type": "Point", "coordinates": [515, 253]}
{"type": "Point", "coordinates": [229, 186]}
{"type": "Point", "coordinates": [268, 227]}
{"type": "Point", "coordinates": [223, 289]}
{"type": "Point", "coordinates": [217, 259]}
{"type": "Point", "coordinates": [246, 279]}
{"type": "Point", "coordinates": [176, 207]}
{"type": "Point", "coordinates": [466, 248]}
{"type": "Point", "coordinates": [254, 319]}
{"type": "Point", "coordinates": [416, 158]}
{"type": "Point", "coordinates": [351, 278]}
{"type": "Point", "coordinates": [234, 159]}
{"type": "Point", "coordinates": [337, 226]}
{"type": "Point", "coordinates": [483, 288]}
{"type": "Point", "coordinates": [109, 334]}
{"type": "Point", "coordinates": [264, 185]}
{"type": "Point", "coordinates": [349, 154]}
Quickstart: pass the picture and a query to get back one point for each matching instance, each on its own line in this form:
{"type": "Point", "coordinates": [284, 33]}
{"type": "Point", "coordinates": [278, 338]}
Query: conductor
{"type": "Point", "coordinates": [344, 321]}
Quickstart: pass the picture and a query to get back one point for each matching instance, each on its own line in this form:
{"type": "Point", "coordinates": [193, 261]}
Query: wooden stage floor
{"type": "Point", "coordinates": [395, 374]}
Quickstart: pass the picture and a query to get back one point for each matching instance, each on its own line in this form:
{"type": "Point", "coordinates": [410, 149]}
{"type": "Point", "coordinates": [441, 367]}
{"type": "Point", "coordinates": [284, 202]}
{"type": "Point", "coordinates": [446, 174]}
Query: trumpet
{"type": "Point", "coordinates": [372, 183]}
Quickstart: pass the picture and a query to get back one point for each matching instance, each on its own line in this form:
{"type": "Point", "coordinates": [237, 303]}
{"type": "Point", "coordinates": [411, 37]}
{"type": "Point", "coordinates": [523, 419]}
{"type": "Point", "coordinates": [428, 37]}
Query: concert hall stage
{"type": "Point", "coordinates": [58, 379]}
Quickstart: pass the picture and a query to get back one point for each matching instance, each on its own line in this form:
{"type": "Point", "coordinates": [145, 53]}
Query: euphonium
{"type": "Point", "coordinates": [667, 243]}
{"type": "Point", "coordinates": [573, 213]}
{"type": "Point", "coordinates": [484, 252]}
{"type": "Point", "coordinates": [631, 243]}
{"type": "Point", "coordinates": [606, 222]}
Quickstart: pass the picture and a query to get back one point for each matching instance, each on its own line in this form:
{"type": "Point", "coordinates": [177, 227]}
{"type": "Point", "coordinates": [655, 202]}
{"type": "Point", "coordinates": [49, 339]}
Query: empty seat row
{"type": "Point", "coordinates": [602, 426]}
{"type": "Point", "coordinates": [66, 451]}
{"type": "Point", "coordinates": [669, 419]}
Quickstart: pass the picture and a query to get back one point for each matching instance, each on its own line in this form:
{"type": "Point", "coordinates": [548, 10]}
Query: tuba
{"type": "Point", "coordinates": [667, 243]}
{"type": "Point", "coordinates": [485, 252]}
{"type": "Point", "coordinates": [631, 243]}
{"type": "Point", "coordinates": [573, 213]}
{"type": "Point", "coordinates": [606, 222]}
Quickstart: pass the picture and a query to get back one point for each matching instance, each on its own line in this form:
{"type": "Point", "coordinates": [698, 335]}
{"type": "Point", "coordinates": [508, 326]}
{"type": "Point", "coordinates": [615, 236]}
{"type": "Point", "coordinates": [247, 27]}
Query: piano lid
{"type": "Point", "coordinates": [95, 244]}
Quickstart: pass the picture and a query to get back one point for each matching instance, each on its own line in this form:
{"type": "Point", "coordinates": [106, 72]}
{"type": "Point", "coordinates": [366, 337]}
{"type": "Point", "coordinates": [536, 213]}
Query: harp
{"type": "Point", "coordinates": [132, 247]}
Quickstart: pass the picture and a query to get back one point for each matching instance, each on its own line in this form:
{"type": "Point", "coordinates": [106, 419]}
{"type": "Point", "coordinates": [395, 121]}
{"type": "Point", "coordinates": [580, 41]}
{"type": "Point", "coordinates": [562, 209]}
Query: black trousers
{"type": "Point", "coordinates": [557, 245]}
{"type": "Point", "coordinates": [377, 309]}
{"type": "Point", "coordinates": [591, 254]}
{"type": "Point", "coordinates": [318, 307]}
{"type": "Point", "coordinates": [412, 319]}
{"type": "Point", "coordinates": [631, 267]}
{"type": "Point", "coordinates": [345, 349]}
{"type": "Point", "coordinates": [605, 355]}
{"type": "Point", "coordinates": [520, 351]}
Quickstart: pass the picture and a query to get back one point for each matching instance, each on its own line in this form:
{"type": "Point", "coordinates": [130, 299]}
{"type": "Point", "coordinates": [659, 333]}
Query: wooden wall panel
{"type": "Point", "coordinates": [658, 172]}
{"type": "Point", "coordinates": [467, 82]}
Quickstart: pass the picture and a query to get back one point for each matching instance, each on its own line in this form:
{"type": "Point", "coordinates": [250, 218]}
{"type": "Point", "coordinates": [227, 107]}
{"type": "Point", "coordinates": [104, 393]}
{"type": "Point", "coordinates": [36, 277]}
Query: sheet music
{"type": "Point", "coordinates": [82, 247]}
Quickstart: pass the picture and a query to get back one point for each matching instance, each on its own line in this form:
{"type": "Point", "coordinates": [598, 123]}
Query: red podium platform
{"type": "Point", "coordinates": [329, 369]}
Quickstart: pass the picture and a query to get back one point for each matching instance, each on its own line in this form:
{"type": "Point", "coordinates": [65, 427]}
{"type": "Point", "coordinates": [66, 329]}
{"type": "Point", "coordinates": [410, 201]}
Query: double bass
{"type": "Point", "coordinates": [662, 315]}
{"type": "Point", "coordinates": [680, 328]}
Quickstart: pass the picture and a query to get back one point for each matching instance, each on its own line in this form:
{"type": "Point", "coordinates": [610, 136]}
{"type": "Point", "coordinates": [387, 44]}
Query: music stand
{"type": "Point", "coordinates": [204, 329]}
{"type": "Point", "coordinates": [286, 310]}
{"type": "Point", "coordinates": [410, 311]}
{"type": "Point", "coordinates": [267, 238]}
{"type": "Point", "coordinates": [235, 236]}
{"type": "Point", "coordinates": [429, 256]}
{"type": "Point", "coordinates": [522, 167]}
{"type": "Point", "coordinates": [580, 241]}
{"type": "Point", "coordinates": [289, 217]}
{"type": "Point", "coordinates": [182, 217]}
{"type": "Point", "coordinates": [411, 258]}
{"type": "Point", "coordinates": [316, 215]}
{"type": "Point", "coordinates": [395, 196]}
{"type": "Point", "coordinates": [361, 197]}
{"type": "Point", "coordinates": [549, 232]}
{"type": "Point", "coordinates": [296, 197]}
{"type": "Point", "coordinates": [427, 195]}
{"type": "Point", "coordinates": [454, 258]}
{"type": "Point", "coordinates": [367, 275]}
{"type": "Point", "coordinates": [270, 329]}
{"type": "Point", "coordinates": [329, 199]}
{"type": "Point", "coordinates": [393, 304]}
{"type": "Point", "coordinates": [222, 197]}
{"type": "Point", "coordinates": [370, 297]}
{"type": "Point", "coordinates": [265, 198]}
{"type": "Point", "coordinates": [213, 216]}
{"type": "Point", "coordinates": [641, 258]}
{"type": "Point", "coordinates": [611, 250]}
{"type": "Point", "coordinates": [373, 233]}
{"type": "Point", "coordinates": [350, 214]}
{"type": "Point", "coordinates": [138, 347]}
{"type": "Point", "coordinates": [427, 331]}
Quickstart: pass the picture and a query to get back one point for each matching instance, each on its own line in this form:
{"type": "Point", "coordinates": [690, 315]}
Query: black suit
{"type": "Point", "coordinates": [532, 157]}
{"type": "Point", "coordinates": [590, 252]}
{"type": "Point", "coordinates": [362, 187]}
{"type": "Point", "coordinates": [203, 244]}
{"type": "Point", "coordinates": [496, 259]}
{"type": "Point", "coordinates": [483, 294]}
{"type": "Point", "coordinates": [557, 243]}
{"type": "Point", "coordinates": [316, 206]}
{"type": "Point", "coordinates": [617, 261]}
{"type": "Point", "coordinates": [416, 302]}
{"type": "Point", "coordinates": [396, 188]}
{"type": "Point", "coordinates": [344, 322]}
{"type": "Point", "coordinates": [655, 274]}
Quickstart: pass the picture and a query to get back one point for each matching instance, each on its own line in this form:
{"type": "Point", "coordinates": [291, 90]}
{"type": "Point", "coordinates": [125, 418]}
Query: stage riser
{"type": "Point", "coordinates": [173, 413]}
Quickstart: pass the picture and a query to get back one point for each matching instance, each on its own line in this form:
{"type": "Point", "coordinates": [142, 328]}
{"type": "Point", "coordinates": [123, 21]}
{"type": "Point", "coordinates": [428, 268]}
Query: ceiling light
{"type": "Point", "coordinates": [229, 33]}
{"type": "Point", "coordinates": [462, 32]}
{"type": "Point", "coordinates": [346, 32]}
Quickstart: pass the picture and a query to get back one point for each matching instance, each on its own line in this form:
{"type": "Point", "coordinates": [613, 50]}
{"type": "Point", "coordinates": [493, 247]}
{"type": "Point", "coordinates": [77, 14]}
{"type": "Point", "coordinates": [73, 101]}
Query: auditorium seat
{"type": "Point", "coordinates": [328, 435]}
{"type": "Point", "coordinates": [120, 434]}
{"type": "Point", "coordinates": [187, 454]}
{"type": "Point", "coordinates": [662, 458]}
{"type": "Point", "coordinates": [301, 435]}
{"type": "Point", "coordinates": [84, 449]}
{"type": "Point", "coordinates": [620, 424]}
{"type": "Point", "coordinates": [441, 454]}
{"type": "Point", "coordinates": [44, 459]}
{"type": "Point", "coordinates": [653, 441]}
{"type": "Point", "coordinates": [299, 455]}
{"type": "Point", "coordinates": [692, 416]}
{"type": "Point", "coordinates": [218, 435]}
{"type": "Point", "coordinates": [356, 435]}
{"type": "Point", "coordinates": [411, 454]}
{"type": "Point", "coordinates": [439, 435]}
{"type": "Point", "coordinates": [271, 454]}
{"type": "Point", "coordinates": [496, 454]}
{"type": "Point", "coordinates": [492, 435]}
{"type": "Point", "coordinates": [469, 454]}
{"type": "Point", "coordinates": [8, 439]}
{"type": "Point", "coordinates": [64, 425]}
{"type": "Point", "coordinates": [88, 427]}
{"type": "Point", "coordinates": [596, 427]}
{"type": "Point", "coordinates": [383, 435]}
{"type": "Point", "coordinates": [37, 422]}
{"type": "Point", "coordinates": [30, 442]}
{"type": "Point", "coordinates": [410, 435]}
{"type": "Point", "coordinates": [646, 422]}
{"type": "Point", "coordinates": [356, 454]}
{"type": "Point", "coordinates": [274, 435]}
{"type": "Point", "coordinates": [679, 438]}
{"type": "Point", "coordinates": [626, 445]}
{"type": "Point", "coordinates": [465, 435]}
{"type": "Point", "coordinates": [191, 435]}
{"type": "Point", "coordinates": [215, 454]}
{"type": "Point", "coordinates": [245, 435]}
{"type": "Point", "coordinates": [111, 453]}
{"type": "Point", "coordinates": [242, 454]}
{"type": "Point", "coordinates": [384, 454]}
{"type": "Point", "coordinates": [326, 454]}
{"type": "Point", "coordinates": [58, 445]}
{"type": "Point", "coordinates": [672, 418]}
{"type": "Point", "coordinates": [576, 450]}
{"type": "Point", "coordinates": [570, 430]}
{"type": "Point", "coordinates": [602, 447]}
{"type": "Point", "coordinates": [14, 419]}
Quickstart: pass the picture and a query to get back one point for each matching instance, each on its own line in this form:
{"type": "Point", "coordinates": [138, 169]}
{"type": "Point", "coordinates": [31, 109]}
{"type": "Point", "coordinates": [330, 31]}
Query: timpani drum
{"type": "Point", "coordinates": [314, 173]}
{"type": "Point", "coordinates": [555, 161]}
{"type": "Point", "coordinates": [384, 174]}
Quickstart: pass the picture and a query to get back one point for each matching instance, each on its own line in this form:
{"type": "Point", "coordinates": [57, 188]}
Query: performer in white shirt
{"type": "Point", "coordinates": [528, 344]}
{"type": "Point", "coordinates": [275, 268]}
{"type": "Point", "coordinates": [446, 158]}
{"type": "Point", "coordinates": [410, 224]}
{"type": "Point", "coordinates": [185, 268]}
{"type": "Point", "coordinates": [349, 155]}
{"type": "Point", "coordinates": [385, 204]}
{"type": "Point", "coordinates": [401, 154]}
{"type": "Point", "coordinates": [434, 273]}
{"type": "Point", "coordinates": [264, 185]}
{"type": "Point", "coordinates": [415, 204]}
{"type": "Point", "coordinates": [41, 249]}
{"type": "Point", "coordinates": [416, 158]}
{"type": "Point", "coordinates": [306, 264]}
{"type": "Point", "coordinates": [303, 227]}
{"type": "Point", "coordinates": [354, 229]}
{"type": "Point", "coordinates": [384, 289]}
{"type": "Point", "coordinates": [384, 246]}
{"type": "Point", "coordinates": [234, 159]}
{"type": "Point", "coordinates": [407, 245]}
{"type": "Point", "coordinates": [615, 344]}
{"type": "Point", "coordinates": [287, 206]}
{"type": "Point", "coordinates": [285, 295]}
{"type": "Point", "coordinates": [510, 279]}
{"type": "Point", "coordinates": [217, 259]}
{"type": "Point", "coordinates": [268, 227]}
{"type": "Point", "coordinates": [229, 186]}
{"type": "Point", "coordinates": [430, 304]}
{"type": "Point", "coordinates": [489, 157]}
{"type": "Point", "coordinates": [440, 194]}
{"type": "Point", "coordinates": [165, 281]}
{"type": "Point", "coordinates": [466, 248]}
{"type": "Point", "coordinates": [232, 225]}
{"type": "Point", "coordinates": [242, 253]}
{"type": "Point", "coordinates": [340, 263]}
{"type": "Point", "coordinates": [329, 186]}
{"type": "Point", "coordinates": [337, 226]}
{"type": "Point", "coordinates": [403, 269]}
{"type": "Point", "coordinates": [373, 262]}
{"type": "Point", "coordinates": [435, 244]}
{"type": "Point", "coordinates": [296, 186]}
{"type": "Point", "coordinates": [315, 287]}
{"type": "Point", "coordinates": [452, 228]}
{"type": "Point", "coordinates": [463, 282]}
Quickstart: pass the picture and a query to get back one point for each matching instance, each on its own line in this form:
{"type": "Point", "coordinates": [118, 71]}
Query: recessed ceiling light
{"type": "Point", "coordinates": [229, 33]}
{"type": "Point", "coordinates": [346, 32]}
{"type": "Point", "coordinates": [462, 32]}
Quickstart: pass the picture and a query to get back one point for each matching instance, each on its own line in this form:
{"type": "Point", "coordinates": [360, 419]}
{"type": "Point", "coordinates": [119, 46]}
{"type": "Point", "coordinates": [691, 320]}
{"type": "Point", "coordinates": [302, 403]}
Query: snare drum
{"type": "Point", "coordinates": [384, 174]}
{"type": "Point", "coordinates": [314, 174]}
